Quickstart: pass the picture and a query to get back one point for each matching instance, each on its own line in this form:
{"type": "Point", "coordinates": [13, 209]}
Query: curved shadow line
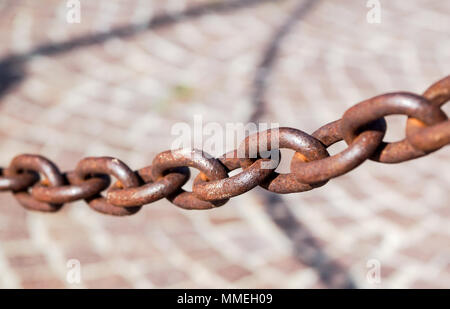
{"type": "Point", "coordinates": [270, 56]}
{"type": "Point", "coordinates": [12, 73]}
{"type": "Point", "coordinates": [306, 248]}
{"type": "Point", "coordinates": [12, 66]}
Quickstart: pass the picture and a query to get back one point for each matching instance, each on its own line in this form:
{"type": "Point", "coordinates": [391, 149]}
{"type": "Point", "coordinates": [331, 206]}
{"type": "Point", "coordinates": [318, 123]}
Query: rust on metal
{"type": "Point", "coordinates": [51, 176]}
{"type": "Point", "coordinates": [71, 192]}
{"type": "Point", "coordinates": [37, 183]}
{"type": "Point", "coordinates": [150, 191]}
{"type": "Point", "coordinates": [17, 182]}
{"type": "Point", "coordinates": [209, 166]}
{"type": "Point", "coordinates": [360, 149]}
{"type": "Point", "coordinates": [91, 166]}
{"type": "Point", "coordinates": [225, 188]}
{"type": "Point", "coordinates": [429, 139]}
{"type": "Point", "coordinates": [307, 149]}
{"type": "Point", "coordinates": [400, 103]}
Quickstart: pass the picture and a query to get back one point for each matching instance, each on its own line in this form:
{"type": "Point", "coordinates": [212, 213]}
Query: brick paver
{"type": "Point", "coordinates": [121, 96]}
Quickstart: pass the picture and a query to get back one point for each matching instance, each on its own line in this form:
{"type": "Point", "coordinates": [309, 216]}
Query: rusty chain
{"type": "Point", "coordinates": [38, 184]}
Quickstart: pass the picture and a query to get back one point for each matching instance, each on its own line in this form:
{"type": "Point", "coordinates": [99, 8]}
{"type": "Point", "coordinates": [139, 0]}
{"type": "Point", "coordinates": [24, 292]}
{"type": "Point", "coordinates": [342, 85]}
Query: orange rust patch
{"type": "Point", "coordinates": [300, 156]}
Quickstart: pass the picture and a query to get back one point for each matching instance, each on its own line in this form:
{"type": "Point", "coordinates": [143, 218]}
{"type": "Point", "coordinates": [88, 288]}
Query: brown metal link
{"type": "Point", "coordinates": [439, 93]}
{"type": "Point", "coordinates": [151, 191]}
{"type": "Point", "coordinates": [307, 149]}
{"type": "Point", "coordinates": [73, 192]}
{"type": "Point", "coordinates": [429, 139]}
{"type": "Point", "coordinates": [361, 148]}
{"type": "Point", "coordinates": [38, 184]}
{"type": "Point", "coordinates": [91, 166]}
{"type": "Point", "coordinates": [389, 104]}
{"type": "Point", "coordinates": [232, 186]}
{"type": "Point", "coordinates": [17, 182]}
{"type": "Point", "coordinates": [432, 138]}
{"type": "Point", "coordinates": [211, 167]}
{"type": "Point", "coordinates": [329, 134]}
{"type": "Point", "coordinates": [51, 177]}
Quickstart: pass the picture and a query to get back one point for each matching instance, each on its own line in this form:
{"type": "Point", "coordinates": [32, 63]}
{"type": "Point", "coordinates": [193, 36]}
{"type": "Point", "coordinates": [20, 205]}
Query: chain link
{"type": "Point", "coordinates": [37, 183]}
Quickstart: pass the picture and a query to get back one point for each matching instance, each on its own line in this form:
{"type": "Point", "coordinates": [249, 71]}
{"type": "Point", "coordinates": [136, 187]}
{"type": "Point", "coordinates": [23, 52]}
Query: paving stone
{"type": "Point", "coordinates": [122, 95]}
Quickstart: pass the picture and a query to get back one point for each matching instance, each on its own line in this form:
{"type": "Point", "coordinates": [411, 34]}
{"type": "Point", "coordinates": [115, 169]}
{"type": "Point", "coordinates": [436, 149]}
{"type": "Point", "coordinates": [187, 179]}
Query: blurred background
{"type": "Point", "coordinates": [115, 83]}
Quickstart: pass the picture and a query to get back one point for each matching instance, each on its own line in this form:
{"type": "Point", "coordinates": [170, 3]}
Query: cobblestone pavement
{"type": "Point", "coordinates": [118, 94]}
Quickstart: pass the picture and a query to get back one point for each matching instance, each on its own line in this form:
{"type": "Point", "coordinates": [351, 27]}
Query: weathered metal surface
{"type": "Point", "coordinates": [17, 182]}
{"type": "Point", "coordinates": [401, 103]}
{"type": "Point", "coordinates": [150, 191]}
{"type": "Point", "coordinates": [71, 192]}
{"type": "Point", "coordinates": [91, 166]}
{"type": "Point", "coordinates": [229, 187]}
{"type": "Point", "coordinates": [307, 149]}
{"type": "Point", "coordinates": [209, 166]}
{"type": "Point", "coordinates": [431, 138]}
{"type": "Point", "coordinates": [362, 147]}
{"type": "Point", "coordinates": [51, 177]}
{"type": "Point", "coordinates": [38, 184]}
